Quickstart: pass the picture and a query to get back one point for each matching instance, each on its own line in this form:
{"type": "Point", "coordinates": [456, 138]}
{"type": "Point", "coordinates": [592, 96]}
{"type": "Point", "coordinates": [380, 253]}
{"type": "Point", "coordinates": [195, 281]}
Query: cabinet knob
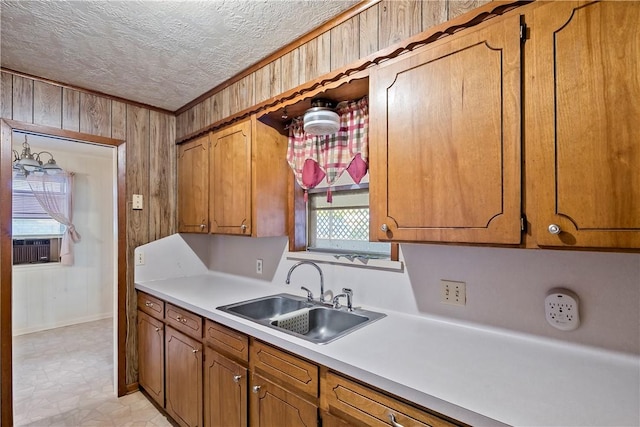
{"type": "Point", "coordinates": [157, 329]}
{"type": "Point", "coordinates": [236, 378]}
{"type": "Point", "coordinates": [195, 350]}
{"type": "Point", "coordinates": [256, 388]}
{"type": "Point", "coordinates": [202, 226]}
{"type": "Point", "coordinates": [384, 227]}
{"type": "Point", "coordinates": [184, 320]}
{"type": "Point", "coordinates": [243, 227]}
{"type": "Point", "coordinates": [179, 318]}
{"type": "Point", "coordinates": [392, 420]}
{"type": "Point", "coordinates": [148, 304]}
{"type": "Point", "coordinates": [554, 229]}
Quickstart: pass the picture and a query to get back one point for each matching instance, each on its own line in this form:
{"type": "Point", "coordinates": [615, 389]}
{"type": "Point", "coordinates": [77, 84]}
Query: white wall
{"type": "Point", "coordinates": [505, 287]}
{"type": "Point", "coordinates": [46, 296]}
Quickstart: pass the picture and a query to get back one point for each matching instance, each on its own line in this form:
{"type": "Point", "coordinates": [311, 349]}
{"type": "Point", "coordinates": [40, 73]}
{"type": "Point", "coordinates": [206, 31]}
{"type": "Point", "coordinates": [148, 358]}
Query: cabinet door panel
{"type": "Point", "coordinates": [585, 132]}
{"type": "Point", "coordinates": [183, 365]}
{"type": "Point", "coordinates": [193, 186]}
{"type": "Point", "coordinates": [275, 406]}
{"type": "Point", "coordinates": [445, 140]}
{"type": "Point", "coordinates": [225, 392]}
{"type": "Point", "coordinates": [231, 180]}
{"type": "Point", "coordinates": [151, 356]}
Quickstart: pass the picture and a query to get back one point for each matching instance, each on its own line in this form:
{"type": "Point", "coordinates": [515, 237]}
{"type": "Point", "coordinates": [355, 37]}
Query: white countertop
{"type": "Point", "coordinates": [473, 374]}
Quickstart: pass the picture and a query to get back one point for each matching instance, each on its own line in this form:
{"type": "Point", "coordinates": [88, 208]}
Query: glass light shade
{"type": "Point", "coordinates": [29, 164]}
{"type": "Point", "coordinates": [51, 167]}
{"type": "Point", "coordinates": [321, 121]}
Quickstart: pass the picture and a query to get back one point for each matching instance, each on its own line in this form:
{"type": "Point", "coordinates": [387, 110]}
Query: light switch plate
{"type": "Point", "coordinates": [137, 201]}
{"type": "Point", "coordinates": [454, 293]}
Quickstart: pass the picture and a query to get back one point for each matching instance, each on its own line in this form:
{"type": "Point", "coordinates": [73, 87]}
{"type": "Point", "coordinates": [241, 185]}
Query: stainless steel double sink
{"type": "Point", "coordinates": [310, 320]}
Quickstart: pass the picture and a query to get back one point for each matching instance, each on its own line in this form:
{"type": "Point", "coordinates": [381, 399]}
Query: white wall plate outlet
{"type": "Point", "coordinates": [454, 293]}
{"type": "Point", "coordinates": [561, 308]}
{"type": "Point", "coordinates": [139, 258]}
{"type": "Point", "coordinates": [258, 266]}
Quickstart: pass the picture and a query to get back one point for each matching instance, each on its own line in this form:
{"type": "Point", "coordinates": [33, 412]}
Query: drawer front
{"type": "Point", "coordinates": [226, 340]}
{"type": "Point", "coordinates": [184, 321]}
{"type": "Point", "coordinates": [284, 369]}
{"type": "Point", "coordinates": [367, 407]}
{"type": "Point", "coordinates": [153, 306]}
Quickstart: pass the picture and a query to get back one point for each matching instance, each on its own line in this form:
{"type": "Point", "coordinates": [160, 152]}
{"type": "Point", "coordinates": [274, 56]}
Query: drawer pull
{"type": "Point", "coordinates": [148, 304]}
{"type": "Point", "coordinates": [157, 329]}
{"type": "Point", "coordinates": [195, 350]}
{"type": "Point", "coordinates": [392, 420]}
{"type": "Point", "coordinates": [236, 378]}
{"type": "Point", "coordinates": [256, 388]}
{"type": "Point", "coordinates": [184, 320]}
{"type": "Point", "coordinates": [179, 318]}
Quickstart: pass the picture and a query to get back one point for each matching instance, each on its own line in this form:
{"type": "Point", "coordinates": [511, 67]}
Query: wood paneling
{"type": "Point", "coordinates": [290, 70]}
{"type": "Point", "coordinates": [458, 7]}
{"type": "Point", "coordinates": [47, 104]}
{"type": "Point", "coordinates": [22, 99]}
{"type": "Point", "coordinates": [138, 224]}
{"type": "Point", "coordinates": [118, 120]}
{"type": "Point", "coordinates": [268, 81]}
{"type": "Point", "coordinates": [95, 115]}
{"type": "Point", "coordinates": [345, 43]}
{"type": "Point", "coordinates": [315, 57]}
{"type": "Point", "coordinates": [399, 19]}
{"type": "Point", "coordinates": [242, 94]}
{"type": "Point", "coordinates": [71, 110]}
{"type": "Point", "coordinates": [162, 159]}
{"type": "Point", "coordinates": [433, 13]}
{"type": "Point", "coordinates": [369, 31]}
{"type": "Point", "coordinates": [6, 95]}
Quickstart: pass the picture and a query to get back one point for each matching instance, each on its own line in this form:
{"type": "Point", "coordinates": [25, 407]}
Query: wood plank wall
{"type": "Point", "coordinates": [381, 25]}
{"type": "Point", "coordinates": [150, 155]}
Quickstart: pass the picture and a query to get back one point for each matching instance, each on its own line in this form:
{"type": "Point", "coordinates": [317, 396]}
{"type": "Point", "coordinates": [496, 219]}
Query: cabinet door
{"type": "Point", "coordinates": [230, 185]}
{"type": "Point", "coordinates": [445, 140]}
{"type": "Point", "coordinates": [193, 186]}
{"type": "Point", "coordinates": [274, 406]}
{"type": "Point", "coordinates": [183, 364]}
{"type": "Point", "coordinates": [151, 356]}
{"type": "Point", "coordinates": [583, 95]}
{"type": "Point", "coordinates": [225, 392]}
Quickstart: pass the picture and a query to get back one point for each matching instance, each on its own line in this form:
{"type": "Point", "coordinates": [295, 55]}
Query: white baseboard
{"type": "Point", "coordinates": [67, 322]}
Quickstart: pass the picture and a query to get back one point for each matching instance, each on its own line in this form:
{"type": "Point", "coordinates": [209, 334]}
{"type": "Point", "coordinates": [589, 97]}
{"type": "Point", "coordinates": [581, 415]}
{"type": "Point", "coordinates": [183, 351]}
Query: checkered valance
{"type": "Point", "coordinates": [314, 157]}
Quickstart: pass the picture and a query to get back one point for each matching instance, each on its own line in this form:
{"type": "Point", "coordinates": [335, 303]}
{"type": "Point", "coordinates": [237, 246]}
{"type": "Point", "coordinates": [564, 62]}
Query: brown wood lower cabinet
{"type": "Point", "coordinates": [151, 354]}
{"type": "Point", "coordinates": [225, 391]}
{"type": "Point", "coordinates": [183, 373]}
{"type": "Point", "coordinates": [239, 381]}
{"type": "Point", "coordinates": [359, 405]}
{"type": "Point", "coordinates": [272, 405]}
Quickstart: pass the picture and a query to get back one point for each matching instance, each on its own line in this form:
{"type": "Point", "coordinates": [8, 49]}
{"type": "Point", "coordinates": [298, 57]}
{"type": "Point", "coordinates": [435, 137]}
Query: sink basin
{"type": "Point", "coordinates": [311, 321]}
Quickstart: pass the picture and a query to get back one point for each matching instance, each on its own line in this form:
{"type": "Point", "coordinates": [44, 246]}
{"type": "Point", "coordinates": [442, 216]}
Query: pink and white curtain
{"type": "Point", "coordinates": [55, 195]}
{"type": "Point", "coordinates": [313, 158]}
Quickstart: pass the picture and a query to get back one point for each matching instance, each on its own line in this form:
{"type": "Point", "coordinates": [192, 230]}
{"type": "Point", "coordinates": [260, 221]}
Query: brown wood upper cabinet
{"type": "Point", "coordinates": [193, 186]}
{"type": "Point", "coordinates": [248, 180]}
{"type": "Point", "coordinates": [584, 134]}
{"type": "Point", "coordinates": [445, 140]}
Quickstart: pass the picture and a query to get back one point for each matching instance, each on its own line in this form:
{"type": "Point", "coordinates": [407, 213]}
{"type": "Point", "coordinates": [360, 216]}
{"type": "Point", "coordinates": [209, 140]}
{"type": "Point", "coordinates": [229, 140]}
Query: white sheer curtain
{"type": "Point", "coordinates": [55, 194]}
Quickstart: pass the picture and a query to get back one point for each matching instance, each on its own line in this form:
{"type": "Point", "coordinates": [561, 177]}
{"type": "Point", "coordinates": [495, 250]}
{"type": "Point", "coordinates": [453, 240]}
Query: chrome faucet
{"type": "Point", "coordinates": [309, 294]}
{"type": "Point", "coordinates": [348, 293]}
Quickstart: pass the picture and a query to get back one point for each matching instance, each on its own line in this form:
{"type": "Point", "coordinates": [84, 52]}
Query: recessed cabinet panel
{"type": "Point", "coordinates": [225, 392]}
{"type": "Point", "coordinates": [231, 180]}
{"type": "Point", "coordinates": [151, 356]}
{"type": "Point", "coordinates": [585, 133]}
{"type": "Point", "coordinates": [275, 406]}
{"type": "Point", "coordinates": [445, 140]}
{"type": "Point", "coordinates": [193, 185]}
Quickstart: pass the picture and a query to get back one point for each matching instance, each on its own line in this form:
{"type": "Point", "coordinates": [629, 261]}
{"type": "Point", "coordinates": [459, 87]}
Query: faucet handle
{"type": "Point", "coordinates": [309, 293]}
{"type": "Point", "coordinates": [349, 293]}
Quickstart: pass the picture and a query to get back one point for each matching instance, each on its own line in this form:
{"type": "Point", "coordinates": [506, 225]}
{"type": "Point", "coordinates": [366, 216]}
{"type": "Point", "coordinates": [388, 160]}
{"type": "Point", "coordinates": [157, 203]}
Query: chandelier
{"type": "Point", "coordinates": [28, 162]}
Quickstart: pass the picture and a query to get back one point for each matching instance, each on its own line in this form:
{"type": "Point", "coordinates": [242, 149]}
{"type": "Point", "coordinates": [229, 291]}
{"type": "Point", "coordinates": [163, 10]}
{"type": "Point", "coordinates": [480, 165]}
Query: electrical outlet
{"type": "Point", "coordinates": [139, 258]}
{"type": "Point", "coordinates": [454, 293]}
{"type": "Point", "coordinates": [258, 266]}
{"type": "Point", "coordinates": [561, 309]}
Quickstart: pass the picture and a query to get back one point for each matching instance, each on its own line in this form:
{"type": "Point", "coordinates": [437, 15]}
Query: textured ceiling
{"type": "Point", "coordinates": [161, 53]}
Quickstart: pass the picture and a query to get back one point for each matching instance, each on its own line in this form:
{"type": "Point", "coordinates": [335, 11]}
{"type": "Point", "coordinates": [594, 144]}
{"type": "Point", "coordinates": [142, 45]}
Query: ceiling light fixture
{"type": "Point", "coordinates": [321, 119]}
{"type": "Point", "coordinates": [28, 162]}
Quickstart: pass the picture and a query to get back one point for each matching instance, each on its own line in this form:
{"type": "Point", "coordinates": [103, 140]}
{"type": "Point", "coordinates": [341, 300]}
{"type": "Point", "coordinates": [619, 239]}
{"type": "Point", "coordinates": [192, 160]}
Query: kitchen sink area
{"type": "Point", "coordinates": [307, 319]}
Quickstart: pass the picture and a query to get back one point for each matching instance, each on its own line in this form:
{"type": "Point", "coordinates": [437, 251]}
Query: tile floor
{"type": "Point", "coordinates": [64, 377]}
